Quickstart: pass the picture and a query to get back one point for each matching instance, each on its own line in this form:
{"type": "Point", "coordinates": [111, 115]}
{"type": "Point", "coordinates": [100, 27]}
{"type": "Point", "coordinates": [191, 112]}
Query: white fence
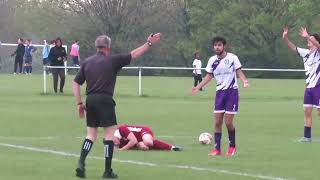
{"type": "Point", "coordinates": [156, 68]}
{"type": "Point", "coordinates": [13, 45]}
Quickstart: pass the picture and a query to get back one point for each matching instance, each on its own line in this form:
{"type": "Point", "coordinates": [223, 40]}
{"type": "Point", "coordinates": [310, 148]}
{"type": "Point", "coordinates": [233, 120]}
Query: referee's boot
{"type": "Point", "coordinates": [109, 175]}
{"type": "Point", "coordinates": [81, 171]}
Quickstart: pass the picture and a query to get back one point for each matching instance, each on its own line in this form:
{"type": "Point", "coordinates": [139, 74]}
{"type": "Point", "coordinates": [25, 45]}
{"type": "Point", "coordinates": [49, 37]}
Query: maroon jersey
{"type": "Point", "coordinates": [138, 132]}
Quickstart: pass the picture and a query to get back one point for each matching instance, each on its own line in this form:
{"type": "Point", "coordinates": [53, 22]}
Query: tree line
{"type": "Point", "coordinates": [253, 28]}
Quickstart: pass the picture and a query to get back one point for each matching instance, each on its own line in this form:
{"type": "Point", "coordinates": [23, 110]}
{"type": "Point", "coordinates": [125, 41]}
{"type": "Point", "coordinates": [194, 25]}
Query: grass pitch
{"type": "Point", "coordinates": [40, 135]}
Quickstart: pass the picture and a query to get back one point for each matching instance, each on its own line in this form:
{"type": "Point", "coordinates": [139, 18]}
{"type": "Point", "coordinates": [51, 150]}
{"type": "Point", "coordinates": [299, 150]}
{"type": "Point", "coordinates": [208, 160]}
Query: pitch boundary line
{"type": "Point", "coordinates": [220, 171]}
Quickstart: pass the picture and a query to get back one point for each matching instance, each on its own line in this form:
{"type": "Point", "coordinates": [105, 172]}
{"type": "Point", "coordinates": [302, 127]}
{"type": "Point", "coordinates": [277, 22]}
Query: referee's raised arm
{"type": "Point", "coordinates": [152, 39]}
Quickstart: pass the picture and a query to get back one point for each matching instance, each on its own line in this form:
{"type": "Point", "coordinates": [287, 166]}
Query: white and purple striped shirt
{"type": "Point", "coordinates": [224, 71]}
{"type": "Point", "coordinates": [311, 63]}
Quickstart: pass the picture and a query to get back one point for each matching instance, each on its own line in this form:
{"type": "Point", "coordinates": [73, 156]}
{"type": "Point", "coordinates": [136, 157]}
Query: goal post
{"type": "Point", "coordinates": [8, 48]}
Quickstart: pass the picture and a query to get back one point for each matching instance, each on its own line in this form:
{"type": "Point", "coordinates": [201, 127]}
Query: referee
{"type": "Point", "coordinates": [99, 72]}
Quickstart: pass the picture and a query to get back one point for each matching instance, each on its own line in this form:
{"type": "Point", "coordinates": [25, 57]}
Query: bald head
{"type": "Point", "coordinates": [103, 41]}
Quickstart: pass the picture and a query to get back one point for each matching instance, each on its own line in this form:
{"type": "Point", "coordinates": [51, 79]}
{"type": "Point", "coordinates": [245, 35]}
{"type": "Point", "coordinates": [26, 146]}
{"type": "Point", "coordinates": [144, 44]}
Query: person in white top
{"type": "Point", "coordinates": [224, 67]}
{"type": "Point", "coordinates": [311, 61]}
{"type": "Point", "coordinates": [197, 64]}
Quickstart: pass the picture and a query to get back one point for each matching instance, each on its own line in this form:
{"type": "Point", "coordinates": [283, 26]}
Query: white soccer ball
{"type": "Point", "coordinates": [205, 138]}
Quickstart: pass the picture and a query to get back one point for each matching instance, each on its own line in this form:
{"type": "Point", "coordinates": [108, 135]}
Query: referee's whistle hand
{"type": "Point", "coordinates": [153, 38]}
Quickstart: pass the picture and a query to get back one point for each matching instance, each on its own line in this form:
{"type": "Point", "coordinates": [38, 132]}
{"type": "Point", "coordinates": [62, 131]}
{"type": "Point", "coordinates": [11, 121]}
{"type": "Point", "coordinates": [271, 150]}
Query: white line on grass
{"type": "Point", "coordinates": [81, 137]}
{"type": "Point", "coordinates": [62, 153]}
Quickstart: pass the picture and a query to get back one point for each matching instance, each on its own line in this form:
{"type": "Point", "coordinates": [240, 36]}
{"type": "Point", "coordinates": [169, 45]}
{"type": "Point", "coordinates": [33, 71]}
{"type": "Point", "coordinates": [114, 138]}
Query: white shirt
{"type": "Point", "coordinates": [224, 71]}
{"type": "Point", "coordinates": [311, 65]}
{"type": "Point", "coordinates": [197, 64]}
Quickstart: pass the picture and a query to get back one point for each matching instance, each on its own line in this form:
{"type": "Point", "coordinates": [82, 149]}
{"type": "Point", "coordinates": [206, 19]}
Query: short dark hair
{"type": "Point", "coordinates": [219, 39]}
{"type": "Point", "coordinates": [196, 53]}
{"type": "Point", "coordinates": [58, 39]}
{"type": "Point", "coordinates": [317, 37]}
{"type": "Point", "coordinates": [21, 39]}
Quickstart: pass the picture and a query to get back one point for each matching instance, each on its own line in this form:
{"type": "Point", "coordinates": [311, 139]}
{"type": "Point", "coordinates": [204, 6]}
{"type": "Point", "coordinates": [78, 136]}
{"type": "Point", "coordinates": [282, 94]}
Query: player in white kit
{"type": "Point", "coordinates": [311, 61]}
{"type": "Point", "coordinates": [224, 67]}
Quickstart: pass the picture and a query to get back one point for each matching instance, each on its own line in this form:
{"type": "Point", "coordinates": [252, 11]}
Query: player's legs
{"type": "Point", "coordinates": [228, 118]}
{"type": "Point", "coordinates": [161, 145]}
{"type": "Point", "coordinates": [147, 139]}
{"type": "Point", "coordinates": [231, 109]}
{"type": "Point", "coordinates": [309, 102]}
{"type": "Point", "coordinates": [199, 80]}
{"type": "Point", "coordinates": [219, 110]}
{"type": "Point", "coordinates": [195, 80]}
{"type": "Point", "coordinates": [218, 122]}
{"type": "Point", "coordinates": [142, 146]}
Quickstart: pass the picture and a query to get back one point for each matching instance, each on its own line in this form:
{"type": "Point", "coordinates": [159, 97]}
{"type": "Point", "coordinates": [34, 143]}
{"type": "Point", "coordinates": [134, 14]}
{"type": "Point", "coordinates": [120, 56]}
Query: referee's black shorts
{"type": "Point", "coordinates": [100, 110]}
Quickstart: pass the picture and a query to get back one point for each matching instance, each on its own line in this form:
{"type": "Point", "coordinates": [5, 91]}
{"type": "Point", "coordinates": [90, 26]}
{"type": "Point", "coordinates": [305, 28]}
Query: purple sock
{"type": "Point", "coordinates": [307, 132]}
{"type": "Point", "coordinates": [217, 141]}
{"type": "Point", "coordinates": [232, 138]}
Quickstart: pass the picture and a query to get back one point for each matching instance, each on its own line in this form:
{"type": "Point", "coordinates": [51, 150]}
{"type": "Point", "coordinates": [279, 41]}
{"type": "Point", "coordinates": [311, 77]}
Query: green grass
{"type": "Point", "coordinates": [269, 122]}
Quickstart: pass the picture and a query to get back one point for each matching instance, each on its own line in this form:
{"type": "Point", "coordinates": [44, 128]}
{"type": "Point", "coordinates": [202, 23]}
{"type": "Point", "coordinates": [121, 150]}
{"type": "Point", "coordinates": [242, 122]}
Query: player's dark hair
{"type": "Point", "coordinates": [21, 39]}
{"type": "Point", "coordinates": [316, 36]}
{"type": "Point", "coordinates": [195, 54]}
{"type": "Point", "coordinates": [58, 39]}
{"type": "Point", "coordinates": [219, 39]}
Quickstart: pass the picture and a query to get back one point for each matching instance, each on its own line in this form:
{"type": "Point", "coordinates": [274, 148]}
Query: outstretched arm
{"type": "Point", "coordinates": [285, 37]}
{"type": "Point", "coordinates": [152, 39]}
{"type": "Point", "coordinates": [304, 33]}
{"type": "Point", "coordinates": [205, 81]}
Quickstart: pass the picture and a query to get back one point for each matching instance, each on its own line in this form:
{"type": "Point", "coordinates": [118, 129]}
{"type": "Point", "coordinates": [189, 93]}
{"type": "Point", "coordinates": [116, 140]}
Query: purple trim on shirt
{"type": "Point", "coordinates": [215, 64]}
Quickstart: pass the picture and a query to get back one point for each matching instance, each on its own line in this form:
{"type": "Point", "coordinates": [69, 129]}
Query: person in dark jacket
{"type": "Point", "coordinates": [57, 56]}
{"type": "Point", "coordinates": [19, 53]}
{"type": "Point", "coordinates": [28, 54]}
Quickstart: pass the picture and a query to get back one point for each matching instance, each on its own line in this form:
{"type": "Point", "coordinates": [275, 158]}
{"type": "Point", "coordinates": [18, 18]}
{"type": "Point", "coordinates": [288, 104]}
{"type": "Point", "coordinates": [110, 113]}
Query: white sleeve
{"type": "Point", "coordinates": [209, 67]}
{"type": "Point", "coordinates": [237, 64]}
{"type": "Point", "coordinates": [200, 64]}
{"type": "Point", "coordinates": [194, 63]}
{"type": "Point", "coordinates": [302, 52]}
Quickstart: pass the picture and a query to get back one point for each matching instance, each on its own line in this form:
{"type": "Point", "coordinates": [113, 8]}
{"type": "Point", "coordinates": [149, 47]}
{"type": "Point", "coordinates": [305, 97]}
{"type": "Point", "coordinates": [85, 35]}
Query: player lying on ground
{"type": "Point", "coordinates": [141, 138]}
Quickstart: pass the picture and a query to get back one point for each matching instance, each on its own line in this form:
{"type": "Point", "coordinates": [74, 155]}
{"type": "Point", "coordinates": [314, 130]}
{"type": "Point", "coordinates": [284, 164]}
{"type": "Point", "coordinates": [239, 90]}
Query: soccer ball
{"type": "Point", "coordinates": [205, 138]}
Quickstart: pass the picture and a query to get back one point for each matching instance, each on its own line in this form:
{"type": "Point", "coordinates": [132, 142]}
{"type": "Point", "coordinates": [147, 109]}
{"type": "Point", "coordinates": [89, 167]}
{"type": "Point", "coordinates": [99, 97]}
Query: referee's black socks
{"type": "Point", "coordinates": [86, 147]}
{"type": "Point", "coordinates": [108, 154]}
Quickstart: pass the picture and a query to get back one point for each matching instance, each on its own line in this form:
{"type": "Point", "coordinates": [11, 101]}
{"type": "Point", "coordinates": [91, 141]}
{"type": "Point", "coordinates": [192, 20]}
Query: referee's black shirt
{"type": "Point", "coordinates": [100, 72]}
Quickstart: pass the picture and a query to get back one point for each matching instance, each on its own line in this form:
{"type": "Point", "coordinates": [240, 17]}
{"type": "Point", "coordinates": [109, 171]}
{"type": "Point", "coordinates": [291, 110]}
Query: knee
{"type": "Point", "coordinates": [92, 136]}
{"type": "Point", "coordinates": [218, 124]}
{"type": "Point", "coordinates": [148, 142]}
{"type": "Point", "coordinates": [308, 112]}
{"type": "Point", "coordinates": [229, 125]}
